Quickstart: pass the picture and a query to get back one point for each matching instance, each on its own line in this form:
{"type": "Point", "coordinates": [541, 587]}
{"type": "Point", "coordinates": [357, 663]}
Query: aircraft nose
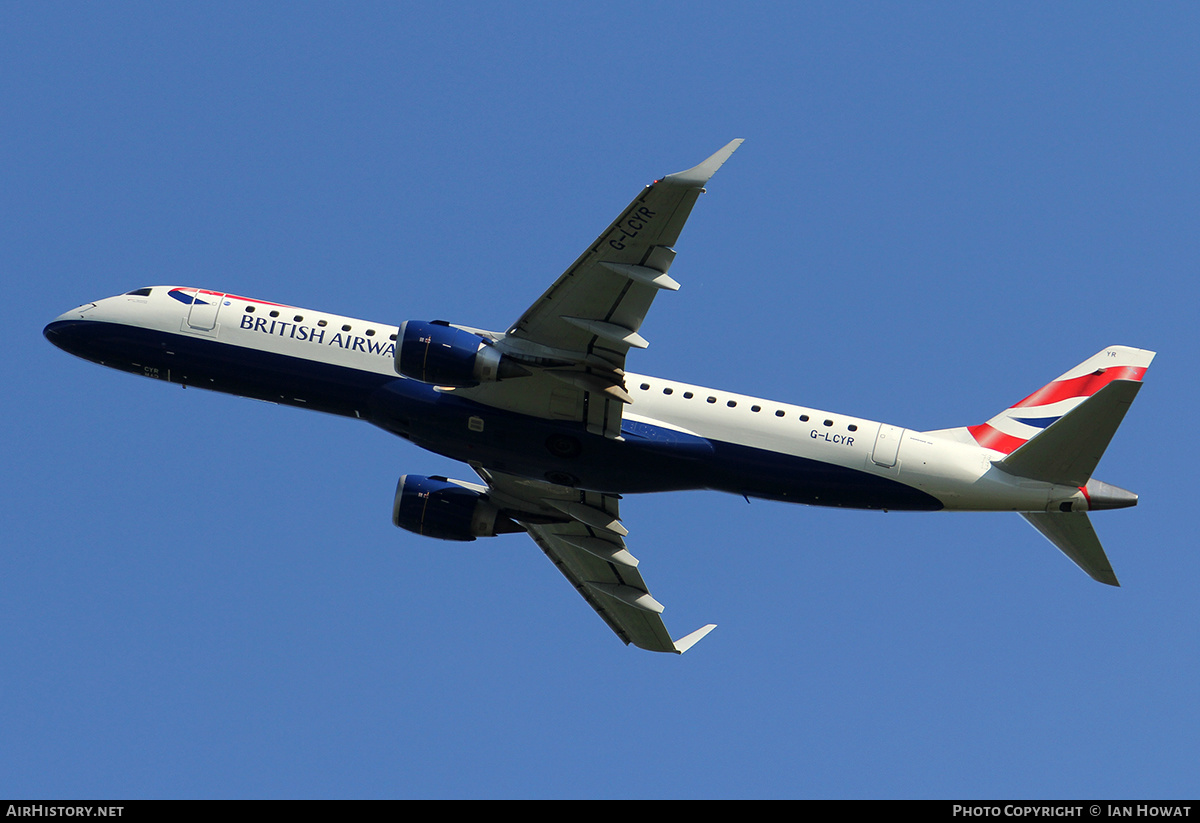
{"type": "Point", "coordinates": [71, 332]}
{"type": "Point", "coordinates": [66, 334]}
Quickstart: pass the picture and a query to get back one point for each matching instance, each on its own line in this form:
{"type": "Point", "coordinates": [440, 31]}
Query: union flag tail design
{"type": "Point", "coordinates": [1023, 421]}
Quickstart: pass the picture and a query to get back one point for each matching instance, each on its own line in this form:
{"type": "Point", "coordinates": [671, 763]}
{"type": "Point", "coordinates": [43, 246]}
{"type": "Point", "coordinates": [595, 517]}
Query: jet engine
{"type": "Point", "coordinates": [447, 509]}
{"type": "Point", "coordinates": [440, 354]}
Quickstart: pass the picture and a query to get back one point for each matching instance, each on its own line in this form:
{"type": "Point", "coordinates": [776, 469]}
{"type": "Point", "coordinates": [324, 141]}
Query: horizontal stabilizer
{"type": "Point", "coordinates": [1067, 452]}
{"type": "Point", "coordinates": [1074, 536]}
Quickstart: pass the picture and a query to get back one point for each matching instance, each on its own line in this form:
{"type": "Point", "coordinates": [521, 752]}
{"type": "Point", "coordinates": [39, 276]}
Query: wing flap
{"type": "Point", "coordinates": [582, 535]}
{"type": "Point", "coordinates": [610, 594]}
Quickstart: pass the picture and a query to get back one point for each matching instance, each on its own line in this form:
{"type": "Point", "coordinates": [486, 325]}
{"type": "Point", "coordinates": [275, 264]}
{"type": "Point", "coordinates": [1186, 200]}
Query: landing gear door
{"type": "Point", "coordinates": [887, 446]}
{"type": "Point", "coordinates": [203, 314]}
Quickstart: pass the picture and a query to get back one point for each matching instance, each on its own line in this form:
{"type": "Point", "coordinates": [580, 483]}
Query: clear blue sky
{"type": "Point", "coordinates": [938, 208]}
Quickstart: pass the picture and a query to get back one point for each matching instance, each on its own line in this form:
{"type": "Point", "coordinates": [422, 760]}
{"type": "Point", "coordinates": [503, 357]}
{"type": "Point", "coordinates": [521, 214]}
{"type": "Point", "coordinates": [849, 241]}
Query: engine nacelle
{"type": "Point", "coordinates": [441, 508]}
{"type": "Point", "coordinates": [445, 356]}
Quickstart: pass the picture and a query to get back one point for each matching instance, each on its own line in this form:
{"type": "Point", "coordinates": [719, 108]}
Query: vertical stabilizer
{"type": "Point", "coordinates": [1040, 412]}
{"type": "Point", "coordinates": [1067, 452]}
{"type": "Point", "coordinates": [1058, 435]}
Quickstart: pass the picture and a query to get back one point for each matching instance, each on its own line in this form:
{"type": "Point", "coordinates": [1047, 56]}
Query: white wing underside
{"type": "Point", "coordinates": [581, 533]}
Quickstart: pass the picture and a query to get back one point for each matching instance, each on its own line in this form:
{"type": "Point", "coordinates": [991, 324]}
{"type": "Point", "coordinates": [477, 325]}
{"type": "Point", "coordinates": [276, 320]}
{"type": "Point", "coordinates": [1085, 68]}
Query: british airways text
{"type": "Point", "coordinates": [297, 331]}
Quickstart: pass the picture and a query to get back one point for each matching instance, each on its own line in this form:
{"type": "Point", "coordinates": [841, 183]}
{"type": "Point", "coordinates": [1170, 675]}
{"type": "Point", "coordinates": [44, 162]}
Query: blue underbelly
{"type": "Point", "coordinates": [649, 458]}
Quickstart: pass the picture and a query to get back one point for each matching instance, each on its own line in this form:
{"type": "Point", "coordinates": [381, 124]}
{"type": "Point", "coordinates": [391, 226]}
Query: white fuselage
{"type": "Point", "coordinates": [946, 466]}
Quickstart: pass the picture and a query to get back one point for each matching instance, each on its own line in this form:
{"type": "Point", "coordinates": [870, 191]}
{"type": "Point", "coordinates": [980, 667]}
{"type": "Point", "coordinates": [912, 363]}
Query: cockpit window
{"type": "Point", "coordinates": [139, 293]}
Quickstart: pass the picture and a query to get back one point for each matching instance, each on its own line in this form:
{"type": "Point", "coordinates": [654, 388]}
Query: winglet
{"type": "Point", "coordinates": [699, 175]}
{"type": "Point", "coordinates": [685, 643]}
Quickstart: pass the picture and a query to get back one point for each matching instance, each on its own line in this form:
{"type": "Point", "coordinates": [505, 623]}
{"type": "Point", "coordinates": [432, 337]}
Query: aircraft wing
{"type": "Point", "coordinates": [581, 533]}
{"type": "Point", "coordinates": [578, 333]}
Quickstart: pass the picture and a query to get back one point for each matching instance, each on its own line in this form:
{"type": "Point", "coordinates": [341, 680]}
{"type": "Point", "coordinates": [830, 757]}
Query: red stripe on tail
{"type": "Point", "coordinates": [991, 438]}
{"type": "Point", "coordinates": [1084, 386]}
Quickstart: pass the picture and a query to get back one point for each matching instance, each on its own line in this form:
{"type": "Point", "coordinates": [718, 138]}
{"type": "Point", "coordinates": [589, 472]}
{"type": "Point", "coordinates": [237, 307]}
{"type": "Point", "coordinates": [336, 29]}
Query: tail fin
{"type": "Point", "coordinates": [1058, 435]}
{"type": "Point", "coordinates": [1068, 450]}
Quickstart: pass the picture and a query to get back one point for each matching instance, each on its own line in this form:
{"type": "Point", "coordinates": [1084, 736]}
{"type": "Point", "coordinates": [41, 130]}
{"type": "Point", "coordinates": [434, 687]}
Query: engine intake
{"type": "Point", "coordinates": [445, 356]}
{"type": "Point", "coordinates": [445, 509]}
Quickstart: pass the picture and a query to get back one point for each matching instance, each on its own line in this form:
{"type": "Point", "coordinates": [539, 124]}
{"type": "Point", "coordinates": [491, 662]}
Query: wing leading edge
{"type": "Point", "coordinates": [574, 338]}
{"type": "Point", "coordinates": [597, 305]}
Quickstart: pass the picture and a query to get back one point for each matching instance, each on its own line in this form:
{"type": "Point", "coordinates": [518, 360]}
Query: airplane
{"type": "Point", "coordinates": [557, 430]}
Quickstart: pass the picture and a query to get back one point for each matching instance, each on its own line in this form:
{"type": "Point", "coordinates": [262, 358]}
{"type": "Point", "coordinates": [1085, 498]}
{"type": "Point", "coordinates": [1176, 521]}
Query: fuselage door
{"type": "Point", "coordinates": [887, 445]}
{"type": "Point", "coordinates": [203, 314]}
